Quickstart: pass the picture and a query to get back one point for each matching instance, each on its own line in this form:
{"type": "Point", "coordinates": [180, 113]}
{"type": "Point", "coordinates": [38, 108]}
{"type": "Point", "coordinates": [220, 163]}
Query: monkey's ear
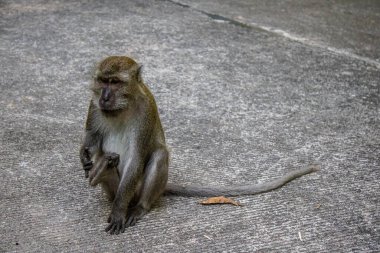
{"type": "Point", "coordinates": [138, 73]}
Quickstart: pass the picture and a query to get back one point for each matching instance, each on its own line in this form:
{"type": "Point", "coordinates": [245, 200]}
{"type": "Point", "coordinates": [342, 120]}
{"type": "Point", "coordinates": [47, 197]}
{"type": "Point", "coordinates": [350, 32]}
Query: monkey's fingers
{"type": "Point", "coordinates": [132, 220]}
{"type": "Point", "coordinates": [122, 230]}
{"type": "Point", "coordinates": [116, 226]}
{"type": "Point", "coordinates": [110, 228]}
{"type": "Point", "coordinates": [87, 153]}
{"type": "Point", "coordinates": [134, 215]}
{"type": "Point", "coordinates": [88, 165]}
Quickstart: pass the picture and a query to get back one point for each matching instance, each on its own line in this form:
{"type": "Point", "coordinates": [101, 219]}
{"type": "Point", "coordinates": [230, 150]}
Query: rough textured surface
{"type": "Point", "coordinates": [239, 104]}
{"type": "Point", "coordinates": [347, 27]}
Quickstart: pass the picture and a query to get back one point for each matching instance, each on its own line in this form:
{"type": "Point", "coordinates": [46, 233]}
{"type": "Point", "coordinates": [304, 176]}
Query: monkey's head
{"type": "Point", "coordinates": [114, 85]}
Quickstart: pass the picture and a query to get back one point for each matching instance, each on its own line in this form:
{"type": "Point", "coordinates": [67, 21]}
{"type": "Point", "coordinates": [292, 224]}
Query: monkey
{"type": "Point", "coordinates": [123, 118]}
{"type": "Point", "coordinates": [105, 172]}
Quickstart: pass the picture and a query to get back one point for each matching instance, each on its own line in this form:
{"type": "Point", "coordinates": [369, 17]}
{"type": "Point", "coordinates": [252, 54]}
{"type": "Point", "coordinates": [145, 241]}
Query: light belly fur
{"type": "Point", "coordinates": [117, 142]}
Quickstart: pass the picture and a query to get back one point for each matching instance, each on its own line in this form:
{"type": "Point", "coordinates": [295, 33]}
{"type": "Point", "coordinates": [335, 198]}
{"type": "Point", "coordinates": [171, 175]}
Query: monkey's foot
{"type": "Point", "coordinates": [116, 223]}
{"type": "Point", "coordinates": [135, 214]}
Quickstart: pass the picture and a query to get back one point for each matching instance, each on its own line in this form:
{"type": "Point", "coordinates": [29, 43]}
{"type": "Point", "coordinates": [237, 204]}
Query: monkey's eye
{"type": "Point", "coordinates": [114, 81]}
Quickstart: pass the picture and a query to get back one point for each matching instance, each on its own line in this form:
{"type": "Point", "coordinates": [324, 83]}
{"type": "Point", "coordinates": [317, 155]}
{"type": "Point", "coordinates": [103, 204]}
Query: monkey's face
{"type": "Point", "coordinates": [115, 83]}
{"type": "Point", "coordinates": [110, 94]}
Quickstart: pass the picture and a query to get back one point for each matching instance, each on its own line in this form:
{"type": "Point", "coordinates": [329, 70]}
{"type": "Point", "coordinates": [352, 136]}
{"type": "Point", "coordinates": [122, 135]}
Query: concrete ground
{"type": "Point", "coordinates": [247, 90]}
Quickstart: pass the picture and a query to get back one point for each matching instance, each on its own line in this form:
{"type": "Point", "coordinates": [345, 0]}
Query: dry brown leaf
{"type": "Point", "coordinates": [220, 200]}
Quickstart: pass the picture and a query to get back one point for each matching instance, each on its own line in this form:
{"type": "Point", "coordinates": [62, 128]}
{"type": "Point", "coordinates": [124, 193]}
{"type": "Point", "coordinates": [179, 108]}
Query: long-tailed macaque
{"type": "Point", "coordinates": [123, 119]}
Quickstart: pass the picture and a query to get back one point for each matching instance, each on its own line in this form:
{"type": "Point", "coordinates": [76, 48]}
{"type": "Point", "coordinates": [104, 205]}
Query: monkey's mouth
{"type": "Point", "coordinates": [111, 112]}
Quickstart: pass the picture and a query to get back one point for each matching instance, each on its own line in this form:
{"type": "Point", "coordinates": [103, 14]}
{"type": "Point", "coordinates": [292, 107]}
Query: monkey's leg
{"type": "Point", "coordinates": [112, 178]}
{"type": "Point", "coordinates": [153, 185]}
{"type": "Point", "coordinates": [131, 175]}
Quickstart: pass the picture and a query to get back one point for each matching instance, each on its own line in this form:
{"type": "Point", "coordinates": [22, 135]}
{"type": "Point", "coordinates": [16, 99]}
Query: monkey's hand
{"type": "Point", "coordinates": [116, 222]}
{"type": "Point", "coordinates": [87, 166]}
{"type": "Point", "coordinates": [86, 161]}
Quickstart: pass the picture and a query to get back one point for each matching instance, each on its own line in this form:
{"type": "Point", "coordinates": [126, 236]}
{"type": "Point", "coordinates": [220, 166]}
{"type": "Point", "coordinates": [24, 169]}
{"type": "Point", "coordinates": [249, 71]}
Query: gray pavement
{"type": "Point", "coordinates": [247, 91]}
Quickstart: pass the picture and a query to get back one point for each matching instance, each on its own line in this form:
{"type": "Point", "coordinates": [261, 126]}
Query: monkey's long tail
{"type": "Point", "coordinates": [206, 191]}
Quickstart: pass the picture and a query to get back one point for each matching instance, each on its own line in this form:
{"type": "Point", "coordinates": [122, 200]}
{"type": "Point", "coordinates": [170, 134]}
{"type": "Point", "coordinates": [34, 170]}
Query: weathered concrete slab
{"type": "Point", "coordinates": [345, 27]}
{"type": "Point", "coordinates": [239, 105]}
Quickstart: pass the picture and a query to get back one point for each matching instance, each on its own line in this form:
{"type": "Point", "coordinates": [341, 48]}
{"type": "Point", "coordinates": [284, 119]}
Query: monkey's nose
{"type": "Point", "coordinates": [106, 98]}
{"type": "Point", "coordinates": [106, 94]}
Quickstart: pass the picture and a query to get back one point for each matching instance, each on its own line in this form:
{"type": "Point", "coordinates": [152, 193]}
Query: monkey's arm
{"type": "Point", "coordinates": [90, 143]}
{"type": "Point", "coordinates": [207, 191]}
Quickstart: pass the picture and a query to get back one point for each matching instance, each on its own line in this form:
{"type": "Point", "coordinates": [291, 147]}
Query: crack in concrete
{"type": "Point", "coordinates": [312, 43]}
{"type": "Point", "coordinates": [282, 33]}
{"type": "Point", "coordinates": [216, 17]}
